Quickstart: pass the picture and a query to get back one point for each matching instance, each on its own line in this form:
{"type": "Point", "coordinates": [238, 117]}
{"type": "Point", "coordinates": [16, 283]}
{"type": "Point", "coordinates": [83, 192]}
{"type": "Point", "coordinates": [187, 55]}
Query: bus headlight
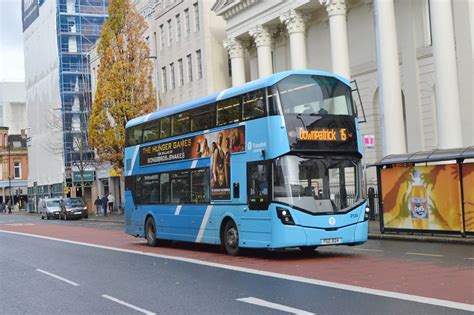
{"type": "Point", "coordinates": [285, 216]}
{"type": "Point", "coordinates": [366, 213]}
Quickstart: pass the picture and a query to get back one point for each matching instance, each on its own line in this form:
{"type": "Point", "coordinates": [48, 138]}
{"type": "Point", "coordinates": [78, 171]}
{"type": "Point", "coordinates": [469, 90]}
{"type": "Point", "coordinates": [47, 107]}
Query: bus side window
{"type": "Point", "coordinates": [254, 105]}
{"type": "Point", "coordinates": [165, 129]}
{"type": "Point", "coordinates": [228, 111]}
{"type": "Point", "coordinates": [165, 188]}
{"type": "Point", "coordinates": [258, 185]}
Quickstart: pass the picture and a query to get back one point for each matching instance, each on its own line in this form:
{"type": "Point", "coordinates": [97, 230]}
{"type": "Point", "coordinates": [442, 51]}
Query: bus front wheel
{"type": "Point", "coordinates": [231, 238]}
{"type": "Point", "coordinates": [150, 232]}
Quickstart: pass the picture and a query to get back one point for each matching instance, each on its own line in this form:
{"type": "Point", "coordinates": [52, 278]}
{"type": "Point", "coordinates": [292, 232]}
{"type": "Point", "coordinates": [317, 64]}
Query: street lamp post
{"type": "Point", "coordinates": [9, 175]}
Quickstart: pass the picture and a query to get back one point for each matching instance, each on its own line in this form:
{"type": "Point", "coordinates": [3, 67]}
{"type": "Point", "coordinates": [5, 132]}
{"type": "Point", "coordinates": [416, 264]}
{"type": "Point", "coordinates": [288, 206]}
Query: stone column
{"type": "Point", "coordinates": [338, 28]}
{"type": "Point", "coordinates": [389, 77]}
{"type": "Point", "coordinates": [263, 42]}
{"type": "Point", "coordinates": [295, 24]}
{"type": "Point", "coordinates": [236, 53]}
{"type": "Point", "coordinates": [448, 112]}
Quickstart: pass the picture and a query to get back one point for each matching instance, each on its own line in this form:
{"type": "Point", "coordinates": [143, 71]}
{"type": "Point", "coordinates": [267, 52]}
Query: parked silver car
{"type": "Point", "coordinates": [49, 208]}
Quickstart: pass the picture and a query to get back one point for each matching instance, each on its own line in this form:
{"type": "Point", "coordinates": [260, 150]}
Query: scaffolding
{"type": "Point", "coordinates": [79, 25]}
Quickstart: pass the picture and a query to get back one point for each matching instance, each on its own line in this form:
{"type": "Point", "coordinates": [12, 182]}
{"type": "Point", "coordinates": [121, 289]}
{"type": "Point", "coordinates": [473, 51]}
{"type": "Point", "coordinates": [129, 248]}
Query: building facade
{"type": "Point", "coordinates": [13, 107]}
{"type": "Point", "coordinates": [185, 39]}
{"type": "Point", "coordinates": [413, 61]}
{"type": "Point", "coordinates": [57, 37]}
{"type": "Point", "coordinates": [13, 168]}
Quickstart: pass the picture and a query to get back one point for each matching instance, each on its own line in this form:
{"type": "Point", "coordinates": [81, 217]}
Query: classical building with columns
{"type": "Point", "coordinates": [412, 60]}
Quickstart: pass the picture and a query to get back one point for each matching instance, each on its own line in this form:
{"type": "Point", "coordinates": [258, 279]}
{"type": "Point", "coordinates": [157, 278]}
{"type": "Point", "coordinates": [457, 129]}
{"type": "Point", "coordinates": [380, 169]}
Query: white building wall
{"type": "Point", "coordinates": [208, 40]}
{"type": "Point", "coordinates": [13, 107]}
{"type": "Point", "coordinates": [417, 72]}
{"type": "Point", "coordinates": [42, 98]}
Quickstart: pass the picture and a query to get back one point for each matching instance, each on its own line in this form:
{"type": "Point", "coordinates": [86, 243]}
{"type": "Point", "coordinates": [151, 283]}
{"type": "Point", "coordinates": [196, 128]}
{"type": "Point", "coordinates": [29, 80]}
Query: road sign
{"type": "Point", "coordinates": [369, 141]}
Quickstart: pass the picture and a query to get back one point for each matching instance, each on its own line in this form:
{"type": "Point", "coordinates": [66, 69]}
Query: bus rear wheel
{"type": "Point", "coordinates": [150, 232]}
{"type": "Point", "coordinates": [231, 238]}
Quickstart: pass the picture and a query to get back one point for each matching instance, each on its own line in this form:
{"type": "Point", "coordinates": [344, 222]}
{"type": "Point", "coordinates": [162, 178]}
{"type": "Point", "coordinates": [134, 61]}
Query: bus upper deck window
{"type": "Point", "coordinates": [151, 131]}
{"type": "Point", "coordinates": [165, 129]}
{"type": "Point", "coordinates": [254, 105]}
{"type": "Point", "coordinates": [228, 111]}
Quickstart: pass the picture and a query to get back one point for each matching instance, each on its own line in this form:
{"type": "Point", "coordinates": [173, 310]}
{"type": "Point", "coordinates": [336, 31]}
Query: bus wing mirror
{"type": "Point", "coordinates": [357, 102]}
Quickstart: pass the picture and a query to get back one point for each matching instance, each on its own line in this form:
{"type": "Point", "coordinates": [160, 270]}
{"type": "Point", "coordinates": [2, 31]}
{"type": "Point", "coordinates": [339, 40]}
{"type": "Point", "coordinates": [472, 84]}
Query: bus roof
{"type": "Point", "coordinates": [230, 92]}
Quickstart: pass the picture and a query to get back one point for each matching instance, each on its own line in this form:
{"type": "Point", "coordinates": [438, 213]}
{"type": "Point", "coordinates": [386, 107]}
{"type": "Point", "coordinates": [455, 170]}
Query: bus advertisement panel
{"type": "Point", "coordinates": [218, 146]}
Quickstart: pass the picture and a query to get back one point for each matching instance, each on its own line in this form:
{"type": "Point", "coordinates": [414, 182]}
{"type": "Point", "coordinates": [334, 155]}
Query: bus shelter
{"type": "Point", "coordinates": [430, 192]}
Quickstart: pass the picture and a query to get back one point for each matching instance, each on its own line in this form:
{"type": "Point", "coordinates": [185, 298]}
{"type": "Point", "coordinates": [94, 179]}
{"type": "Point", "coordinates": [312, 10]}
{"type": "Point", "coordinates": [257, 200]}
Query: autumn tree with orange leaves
{"type": "Point", "coordinates": [124, 86]}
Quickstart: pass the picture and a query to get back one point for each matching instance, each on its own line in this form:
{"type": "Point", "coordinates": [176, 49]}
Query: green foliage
{"type": "Point", "coordinates": [124, 86]}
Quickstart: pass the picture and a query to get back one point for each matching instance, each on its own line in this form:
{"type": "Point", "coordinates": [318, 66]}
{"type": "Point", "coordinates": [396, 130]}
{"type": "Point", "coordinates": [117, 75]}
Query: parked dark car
{"type": "Point", "coordinates": [75, 209]}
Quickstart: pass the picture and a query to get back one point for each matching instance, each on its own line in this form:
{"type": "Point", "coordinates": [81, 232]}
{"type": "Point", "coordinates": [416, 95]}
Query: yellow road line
{"type": "Point", "coordinates": [421, 254]}
{"type": "Point", "coordinates": [368, 249]}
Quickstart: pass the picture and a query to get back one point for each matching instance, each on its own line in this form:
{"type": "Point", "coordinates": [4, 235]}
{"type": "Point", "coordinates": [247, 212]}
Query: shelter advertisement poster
{"type": "Point", "coordinates": [468, 189]}
{"type": "Point", "coordinates": [218, 146]}
{"type": "Point", "coordinates": [422, 198]}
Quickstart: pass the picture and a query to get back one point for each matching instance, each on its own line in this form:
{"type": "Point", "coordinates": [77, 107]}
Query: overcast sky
{"type": "Point", "coordinates": [11, 41]}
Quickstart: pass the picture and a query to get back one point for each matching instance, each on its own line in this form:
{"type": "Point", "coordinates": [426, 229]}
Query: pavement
{"type": "Point", "coordinates": [374, 231]}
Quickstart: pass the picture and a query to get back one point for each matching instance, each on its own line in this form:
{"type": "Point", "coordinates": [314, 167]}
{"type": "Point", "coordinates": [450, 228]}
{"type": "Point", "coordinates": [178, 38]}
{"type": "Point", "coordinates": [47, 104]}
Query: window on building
{"type": "Point", "coordinates": [173, 78]}
{"type": "Point", "coordinates": [181, 72]}
{"type": "Point", "coordinates": [178, 27]}
{"type": "Point", "coordinates": [187, 22]}
{"type": "Point", "coordinates": [170, 33]}
{"type": "Point", "coordinates": [199, 64]}
{"type": "Point", "coordinates": [164, 80]}
{"type": "Point", "coordinates": [196, 17]}
{"type": "Point", "coordinates": [17, 169]}
{"type": "Point", "coordinates": [162, 36]}
{"type": "Point", "coordinates": [190, 68]}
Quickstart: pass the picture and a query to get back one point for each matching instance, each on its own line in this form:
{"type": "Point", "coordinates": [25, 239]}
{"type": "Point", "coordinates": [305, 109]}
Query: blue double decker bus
{"type": "Point", "coordinates": [274, 163]}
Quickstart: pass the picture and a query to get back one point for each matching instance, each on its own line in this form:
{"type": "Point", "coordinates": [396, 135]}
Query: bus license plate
{"type": "Point", "coordinates": [330, 241]}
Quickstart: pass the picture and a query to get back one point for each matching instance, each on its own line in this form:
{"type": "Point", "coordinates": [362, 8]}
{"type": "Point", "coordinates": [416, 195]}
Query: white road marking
{"type": "Point", "coordinates": [280, 307]}
{"type": "Point", "coordinates": [368, 249]}
{"type": "Point", "coordinates": [421, 254]}
{"type": "Point", "coordinates": [58, 277]}
{"type": "Point", "coordinates": [136, 308]}
{"type": "Point", "coordinates": [19, 224]}
{"type": "Point", "coordinates": [203, 224]}
{"type": "Point", "coordinates": [335, 285]}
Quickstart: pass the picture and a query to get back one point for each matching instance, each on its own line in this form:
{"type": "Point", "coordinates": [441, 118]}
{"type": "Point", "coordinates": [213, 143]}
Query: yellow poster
{"type": "Point", "coordinates": [422, 198]}
{"type": "Point", "coordinates": [468, 187]}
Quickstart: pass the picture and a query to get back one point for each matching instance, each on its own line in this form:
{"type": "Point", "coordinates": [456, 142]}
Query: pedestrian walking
{"type": "Point", "coordinates": [9, 207]}
{"type": "Point", "coordinates": [3, 207]}
{"type": "Point", "coordinates": [105, 202]}
{"type": "Point", "coordinates": [98, 205]}
{"type": "Point", "coordinates": [111, 199]}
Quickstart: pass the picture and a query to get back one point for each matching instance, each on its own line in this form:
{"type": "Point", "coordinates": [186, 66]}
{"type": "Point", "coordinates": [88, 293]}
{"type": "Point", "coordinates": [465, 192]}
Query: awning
{"type": "Point", "coordinates": [6, 184]}
{"type": "Point", "coordinates": [428, 156]}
